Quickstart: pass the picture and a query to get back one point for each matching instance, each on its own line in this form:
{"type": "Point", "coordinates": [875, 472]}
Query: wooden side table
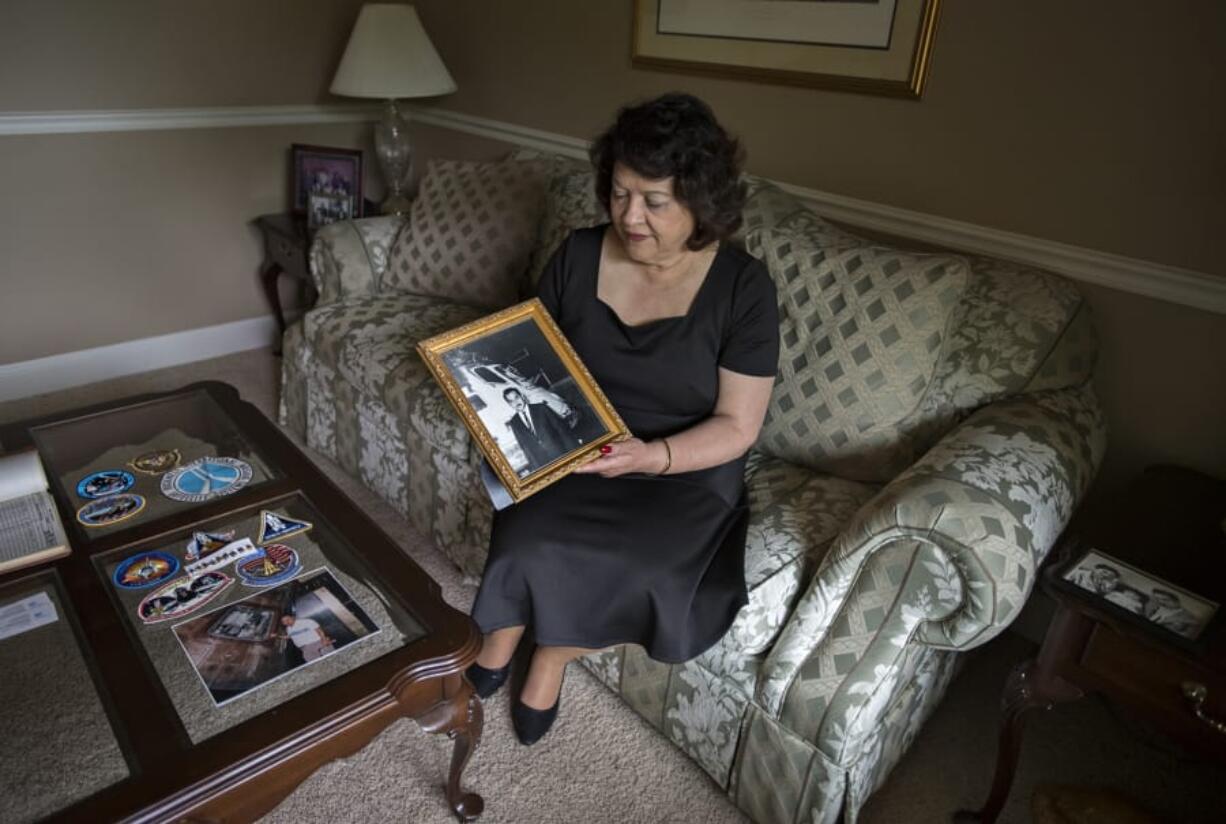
{"type": "Point", "coordinates": [287, 242]}
{"type": "Point", "coordinates": [1169, 524]}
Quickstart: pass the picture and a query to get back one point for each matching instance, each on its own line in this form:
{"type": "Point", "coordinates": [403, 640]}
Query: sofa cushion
{"type": "Point", "coordinates": [861, 332]}
{"type": "Point", "coordinates": [371, 342]}
{"type": "Point", "coordinates": [470, 232]}
{"type": "Point", "coordinates": [570, 204]}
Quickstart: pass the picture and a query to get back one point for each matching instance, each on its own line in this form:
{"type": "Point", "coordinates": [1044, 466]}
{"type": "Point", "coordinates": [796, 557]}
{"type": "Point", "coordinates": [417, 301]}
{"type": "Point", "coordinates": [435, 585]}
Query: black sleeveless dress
{"type": "Point", "coordinates": [655, 561]}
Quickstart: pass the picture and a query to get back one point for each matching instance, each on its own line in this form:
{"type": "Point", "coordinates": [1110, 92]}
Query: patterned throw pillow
{"type": "Point", "coordinates": [769, 207]}
{"type": "Point", "coordinates": [570, 204]}
{"type": "Point", "coordinates": [470, 232]}
{"type": "Point", "coordinates": [861, 332]}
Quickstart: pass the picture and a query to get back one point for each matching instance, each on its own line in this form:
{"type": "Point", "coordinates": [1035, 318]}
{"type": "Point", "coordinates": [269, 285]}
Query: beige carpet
{"type": "Point", "coordinates": [602, 763]}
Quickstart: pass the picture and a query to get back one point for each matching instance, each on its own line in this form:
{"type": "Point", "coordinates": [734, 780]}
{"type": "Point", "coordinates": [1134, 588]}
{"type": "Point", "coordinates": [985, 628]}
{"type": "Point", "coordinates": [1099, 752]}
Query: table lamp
{"type": "Point", "coordinates": [390, 57]}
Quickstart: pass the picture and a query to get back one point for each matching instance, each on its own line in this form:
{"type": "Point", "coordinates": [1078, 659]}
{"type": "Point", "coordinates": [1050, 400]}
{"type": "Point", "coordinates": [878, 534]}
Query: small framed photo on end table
{"type": "Point", "coordinates": [522, 392]}
{"type": "Point", "coordinates": [327, 183]}
{"type": "Point", "coordinates": [1142, 599]}
{"type": "Point", "coordinates": [323, 209]}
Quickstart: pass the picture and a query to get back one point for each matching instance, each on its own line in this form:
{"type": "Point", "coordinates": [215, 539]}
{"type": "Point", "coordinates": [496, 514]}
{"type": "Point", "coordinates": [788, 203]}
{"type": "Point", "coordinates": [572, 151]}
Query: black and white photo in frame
{"type": "Point", "coordinates": [1152, 599]}
{"type": "Point", "coordinates": [523, 394]}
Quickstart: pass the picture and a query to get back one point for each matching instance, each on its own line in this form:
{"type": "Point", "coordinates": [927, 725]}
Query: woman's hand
{"type": "Point", "coordinates": [628, 456]}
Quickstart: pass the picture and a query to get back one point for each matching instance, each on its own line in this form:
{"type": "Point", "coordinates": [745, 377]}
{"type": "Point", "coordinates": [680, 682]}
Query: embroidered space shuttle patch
{"type": "Point", "coordinates": [276, 527]}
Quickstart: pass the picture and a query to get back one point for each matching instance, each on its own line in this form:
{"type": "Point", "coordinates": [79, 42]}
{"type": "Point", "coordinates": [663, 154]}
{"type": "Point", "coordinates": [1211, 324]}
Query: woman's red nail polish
{"type": "Point", "coordinates": [606, 449]}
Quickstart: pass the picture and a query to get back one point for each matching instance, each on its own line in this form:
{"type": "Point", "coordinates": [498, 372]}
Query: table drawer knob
{"type": "Point", "coordinates": [1197, 694]}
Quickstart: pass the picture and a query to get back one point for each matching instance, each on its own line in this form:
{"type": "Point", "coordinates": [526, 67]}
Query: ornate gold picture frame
{"type": "Point", "coordinates": [871, 46]}
{"type": "Point", "coordinates": [524, 395]}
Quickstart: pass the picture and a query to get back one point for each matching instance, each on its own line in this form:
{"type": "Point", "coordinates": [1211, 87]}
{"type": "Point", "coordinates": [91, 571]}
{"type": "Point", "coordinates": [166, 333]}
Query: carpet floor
{"type": "Point", "coordinates": [602, 763]}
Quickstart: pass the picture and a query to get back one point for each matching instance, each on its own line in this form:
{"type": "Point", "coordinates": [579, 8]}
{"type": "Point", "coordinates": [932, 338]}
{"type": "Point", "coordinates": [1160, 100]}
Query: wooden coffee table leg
{"type": "Point", "coordinates": [466, 806]}
{"type": "Point", "coordinates": [461, 718]}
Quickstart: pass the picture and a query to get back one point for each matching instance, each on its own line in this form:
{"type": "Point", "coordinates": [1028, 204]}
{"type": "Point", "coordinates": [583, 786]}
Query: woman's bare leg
{"type": "Point", "coordinates": [498, 646]}
{"type": "Point", "coordinates": [544, 680]}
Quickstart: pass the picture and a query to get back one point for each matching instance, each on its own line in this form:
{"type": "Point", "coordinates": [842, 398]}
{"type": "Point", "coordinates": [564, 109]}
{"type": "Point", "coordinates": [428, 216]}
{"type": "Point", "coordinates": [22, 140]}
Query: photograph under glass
{"type": "Point", "coordinates": [216, 622]}
{"type": "Point", "coordinates": [253, 642]}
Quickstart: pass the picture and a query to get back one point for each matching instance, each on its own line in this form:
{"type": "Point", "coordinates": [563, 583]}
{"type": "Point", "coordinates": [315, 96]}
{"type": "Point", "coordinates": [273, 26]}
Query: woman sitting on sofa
{"type": "Point", "coordinates": [645, 544]}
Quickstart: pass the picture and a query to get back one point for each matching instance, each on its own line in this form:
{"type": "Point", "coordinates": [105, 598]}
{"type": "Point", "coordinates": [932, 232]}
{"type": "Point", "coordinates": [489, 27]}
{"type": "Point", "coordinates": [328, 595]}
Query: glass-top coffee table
{"type": "Point", "coordinates": [227, 621]}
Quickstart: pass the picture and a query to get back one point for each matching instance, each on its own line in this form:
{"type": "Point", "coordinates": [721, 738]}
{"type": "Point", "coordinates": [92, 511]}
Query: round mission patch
{"type": "Point", "coordinates": [145, 570]}
{"type": "Point", "coordinates": [272, 565]}
{"type": "Point", "coordinates": [111, 509]}
{"type": "Point", "coordinates": [106, 482]}
{"type": "Point", "coordinates": [206, 478]}
{"type": "Point", "coordinates": [157, 461]}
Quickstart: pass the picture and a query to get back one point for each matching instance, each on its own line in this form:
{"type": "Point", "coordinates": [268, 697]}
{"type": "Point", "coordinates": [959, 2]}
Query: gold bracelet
{"type": "Point", "coordinates": [668, 450]}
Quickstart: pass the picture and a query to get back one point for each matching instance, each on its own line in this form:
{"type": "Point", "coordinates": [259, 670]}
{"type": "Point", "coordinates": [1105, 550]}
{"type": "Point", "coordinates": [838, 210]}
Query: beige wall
{"type": "Point", "coordinates": [137, 54]}
{"type": "Point", "coordinates": [108, 237]}
{"type": "Point", "coordinates": [131, 234]}
{"type": "Point", "coordinates": [124, 235]}
{"type": "Point", "coordinates": [1095, 123]}
{"type": "Point", "coordinates": [1162, 379]}
{"type": "Point", "coordinates": [1098, 123]}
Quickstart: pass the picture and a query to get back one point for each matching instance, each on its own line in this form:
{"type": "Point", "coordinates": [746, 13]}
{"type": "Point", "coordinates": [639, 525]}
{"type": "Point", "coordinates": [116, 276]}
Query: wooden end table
{"type": "Point", "coordinates": [1170, 524]}
{"type": "Point", "coordinates": [191, 722]}
{"type": "Point", "coordinates": [287, 243]}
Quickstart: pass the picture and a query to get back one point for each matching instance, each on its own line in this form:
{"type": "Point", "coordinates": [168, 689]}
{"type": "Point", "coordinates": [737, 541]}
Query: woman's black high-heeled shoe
{"type": "Point", "coordinates": [486, 681]}
{"type": "Point", "coordinates": [531, 724]}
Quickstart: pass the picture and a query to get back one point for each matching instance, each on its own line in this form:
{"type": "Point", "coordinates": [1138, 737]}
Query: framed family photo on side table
{"type": "Point", "coordinates": [327, 183]}
{"type": "Point", "coordinates": [1147, 601]}
{"type": "Point", "coordinates": [525, 397]}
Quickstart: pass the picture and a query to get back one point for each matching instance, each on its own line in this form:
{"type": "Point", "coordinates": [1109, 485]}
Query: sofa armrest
{"type": "Point", "coordinates": [349, 258]}
{"type": "Point", "coordinates": [969, 523]}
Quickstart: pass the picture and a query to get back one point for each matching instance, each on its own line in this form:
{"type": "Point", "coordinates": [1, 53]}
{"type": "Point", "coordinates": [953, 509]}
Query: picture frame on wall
{"type": "Point", "coordinates": [523, 394]}
{"type": "Point", "coordinates": [1147, 601]}
{"type": "Point", "coordinates": [870, 46]}
{"type": "Point", "coordinates": [332, 174]}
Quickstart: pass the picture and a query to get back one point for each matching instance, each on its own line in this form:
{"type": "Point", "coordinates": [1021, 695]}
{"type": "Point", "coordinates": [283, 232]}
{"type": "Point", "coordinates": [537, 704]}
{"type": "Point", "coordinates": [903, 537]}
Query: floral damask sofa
{"type": "Point", "coordinates": [932, 428]}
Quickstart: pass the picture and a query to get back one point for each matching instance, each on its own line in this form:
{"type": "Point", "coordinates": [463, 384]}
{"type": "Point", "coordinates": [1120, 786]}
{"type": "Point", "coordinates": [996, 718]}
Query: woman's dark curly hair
{"type": "Point", "coordinates": [676, 135]}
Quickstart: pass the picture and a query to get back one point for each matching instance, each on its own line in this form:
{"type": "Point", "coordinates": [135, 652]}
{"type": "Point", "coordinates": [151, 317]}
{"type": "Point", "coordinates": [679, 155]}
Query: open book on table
{"type": "Point", "coordinates": [30, 527]}
{"type": "Point", "coordinates": [526, 398]}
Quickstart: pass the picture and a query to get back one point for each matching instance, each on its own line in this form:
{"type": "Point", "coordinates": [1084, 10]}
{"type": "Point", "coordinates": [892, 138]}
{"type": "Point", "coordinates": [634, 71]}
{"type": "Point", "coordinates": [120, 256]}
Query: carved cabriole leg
{"type": "Point", "coordinates": [467, 806]}
{"type": "Point", "coordinates": [459, 716]}
{"type": "Point", "coordinates": [1035, 683]}
{"type": "Point", "coordinates": [269, 276]}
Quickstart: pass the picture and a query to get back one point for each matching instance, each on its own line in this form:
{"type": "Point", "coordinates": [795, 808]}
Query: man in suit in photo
{"type": "Point", "coordinates": [541, 432]}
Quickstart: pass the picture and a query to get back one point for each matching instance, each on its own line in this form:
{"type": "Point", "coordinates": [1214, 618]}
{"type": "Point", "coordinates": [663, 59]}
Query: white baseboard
{"type": "Point", "coordinates": [34, 377]}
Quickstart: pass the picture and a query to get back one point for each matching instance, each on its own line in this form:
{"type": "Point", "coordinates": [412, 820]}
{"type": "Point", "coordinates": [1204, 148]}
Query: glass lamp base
{"type": "Point", "coordinates": [395, 204]}
{"type": "Point", "coordinates": [395, 158]}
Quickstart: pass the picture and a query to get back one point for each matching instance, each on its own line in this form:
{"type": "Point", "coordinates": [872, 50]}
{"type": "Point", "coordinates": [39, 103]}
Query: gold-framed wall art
{"type": "Point", "coordinates": [530, 404]}
{"type": "Point", "coordinates": [870, 46]}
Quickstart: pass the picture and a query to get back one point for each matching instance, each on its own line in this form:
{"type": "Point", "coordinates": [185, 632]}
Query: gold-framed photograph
{"type": "Point", "coordinates": [524, 395]}
{"type": "Point", "coordinates": [872, 46]}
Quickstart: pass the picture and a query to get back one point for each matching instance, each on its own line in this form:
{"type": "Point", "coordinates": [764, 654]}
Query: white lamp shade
{"type": "Point", "coordinates": [390, 56]}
